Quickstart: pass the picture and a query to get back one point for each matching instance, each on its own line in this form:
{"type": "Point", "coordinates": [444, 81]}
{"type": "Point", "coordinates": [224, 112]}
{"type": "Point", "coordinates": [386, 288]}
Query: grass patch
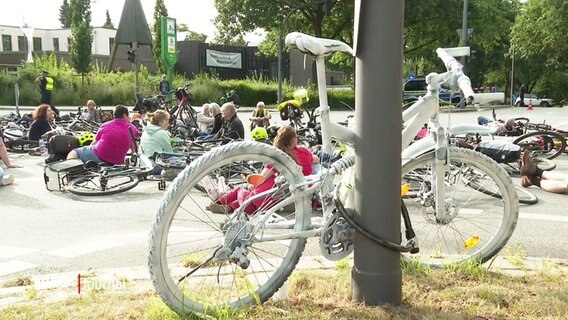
{"type": "Point", "coordinates": [19, 281]}
{"type": "Point", "coordinates": [515, 254]}
{"type": "Point", "coordinates": [465, 292]}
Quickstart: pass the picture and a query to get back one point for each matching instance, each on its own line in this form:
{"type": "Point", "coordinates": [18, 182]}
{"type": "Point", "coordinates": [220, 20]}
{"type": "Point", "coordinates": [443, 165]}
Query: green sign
{"type": "Point", "coordinates": [169, 41]}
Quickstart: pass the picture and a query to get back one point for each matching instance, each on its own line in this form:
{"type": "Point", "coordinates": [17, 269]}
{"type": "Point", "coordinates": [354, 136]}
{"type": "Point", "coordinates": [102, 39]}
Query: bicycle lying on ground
{"type": "Point", "coordinates": [92, 179]}
{"type": "Point", "coordinates": [540, 139]}
{"type": "Point", "coordinates": [202, 262]}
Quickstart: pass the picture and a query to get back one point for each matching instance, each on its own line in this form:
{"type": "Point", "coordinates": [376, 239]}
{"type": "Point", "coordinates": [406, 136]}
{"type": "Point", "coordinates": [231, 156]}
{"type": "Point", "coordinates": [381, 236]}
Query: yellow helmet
{"type": "Point", "coordinates": [259, 133]}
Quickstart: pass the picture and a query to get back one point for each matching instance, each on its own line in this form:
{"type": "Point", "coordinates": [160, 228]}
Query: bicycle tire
{"type": "Point", "coordinates": [555, 149]}
{"type": "Point", "coordinates": [469, 233]}
{"type": "Point", "coordinates": [522, 120]}
{"type": "Point", "coordinates": [185, 295]}
{"type": "Point", "coordinates": [524, 195]}
{"type": "Point", "coordinates": [89, 186]}
{"type": "Point", "coordinates": [545, 164]}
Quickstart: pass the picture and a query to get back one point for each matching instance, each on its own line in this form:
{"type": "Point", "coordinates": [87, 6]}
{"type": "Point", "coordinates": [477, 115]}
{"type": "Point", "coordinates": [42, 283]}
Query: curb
{"type": "Point", "coordinates": [60, 286]}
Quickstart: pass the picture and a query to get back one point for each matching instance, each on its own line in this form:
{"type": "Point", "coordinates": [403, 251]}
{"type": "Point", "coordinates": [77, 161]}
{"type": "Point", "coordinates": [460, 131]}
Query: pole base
{"type": "Point", "coordinates": [380, 288]}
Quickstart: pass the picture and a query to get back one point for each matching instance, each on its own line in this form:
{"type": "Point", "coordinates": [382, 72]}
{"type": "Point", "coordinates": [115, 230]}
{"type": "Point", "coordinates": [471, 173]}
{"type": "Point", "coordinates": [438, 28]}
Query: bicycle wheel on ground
{"type": "Point", "coordinates": [477, 225]}
{"type": "Point", "coordinates": [544, 144]}
{"type": "Point", "coordinates": [95, 184]}
{"type": "Point", "coordinates": [202, 262]}
{"type": "Point", "coordinates": [544, 163]}
{"type": "Point", "coordinates": [477, 181]}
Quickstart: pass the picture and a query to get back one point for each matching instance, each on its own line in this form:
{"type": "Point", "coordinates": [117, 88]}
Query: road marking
{"type": "Point", "coordinates": [542, 217]}
{"type": "Point", "coordinates": [7, 252]}
{"type": "Point", "coordinates": [84, 248]}
{"type": "Point", "coordinates": [14, 266]}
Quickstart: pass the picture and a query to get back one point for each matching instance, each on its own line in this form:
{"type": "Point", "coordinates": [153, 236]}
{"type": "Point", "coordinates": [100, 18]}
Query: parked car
{"type": "Point", "coordinates": [415, 88]}
{"type": "Point", "coordinates": [534, 100]}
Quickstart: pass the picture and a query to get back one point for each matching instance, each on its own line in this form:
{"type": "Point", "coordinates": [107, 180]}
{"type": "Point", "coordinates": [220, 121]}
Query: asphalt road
{"type": "Point", "coordinates": [44, 232]}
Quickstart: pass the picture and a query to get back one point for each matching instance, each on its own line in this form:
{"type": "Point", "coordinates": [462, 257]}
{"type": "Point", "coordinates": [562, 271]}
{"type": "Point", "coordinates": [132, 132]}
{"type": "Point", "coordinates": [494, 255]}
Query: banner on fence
{"type": "Point", "coordinates": [224, 59]}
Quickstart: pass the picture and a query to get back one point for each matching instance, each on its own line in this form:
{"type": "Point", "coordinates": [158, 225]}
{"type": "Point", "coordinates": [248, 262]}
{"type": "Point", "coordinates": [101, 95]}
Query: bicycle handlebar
{"type": "Point", "coordinates": [463, 82]}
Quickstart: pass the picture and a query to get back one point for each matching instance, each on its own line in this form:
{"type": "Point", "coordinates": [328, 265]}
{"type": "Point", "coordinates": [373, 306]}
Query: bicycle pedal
{"type": "Point", "coordinates": [162, 185]}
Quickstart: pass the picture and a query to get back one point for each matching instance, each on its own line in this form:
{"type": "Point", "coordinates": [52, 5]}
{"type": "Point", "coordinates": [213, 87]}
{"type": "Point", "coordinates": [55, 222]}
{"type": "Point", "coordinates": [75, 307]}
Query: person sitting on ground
{"type": "Point", "coordinates": [217, 116]}
{"type": "Point", "coordinates": [205, 121]}
{"type": "Point", "coordinates": [4, 156]}
{"type": "Point", "coordinates": [232, 126]}
{"type": "Point", "coordinates": [112, 141]}
{"type": "Point", "coordinates": [260, 116]}
{"type": "Point", "coordinates": [155, 138]}
{"type": "Point", "coordinates": [5, 179]}
{"type": "Point", "coordinates": [217, 122]}
{"type": "Point", "coordinates": [90, 113]}
{"type": "Point", "coordinates": [287, 141]}
{"type": "Point", "coordinates": [532, 175]}
{"type": "Point", "coordinates": [43, 116]}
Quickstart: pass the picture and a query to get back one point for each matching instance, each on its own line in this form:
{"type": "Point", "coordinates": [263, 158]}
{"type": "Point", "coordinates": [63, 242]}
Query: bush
{"type": "Point", "coordinates": [112, 88]}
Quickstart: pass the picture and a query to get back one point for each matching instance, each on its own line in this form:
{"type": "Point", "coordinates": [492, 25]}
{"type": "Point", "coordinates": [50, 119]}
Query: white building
{"type": "Point", "coordinates": [53, 40]}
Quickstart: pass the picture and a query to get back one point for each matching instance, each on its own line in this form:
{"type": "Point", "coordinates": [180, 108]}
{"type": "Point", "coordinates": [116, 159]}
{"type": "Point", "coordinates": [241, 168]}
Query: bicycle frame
{"type": "Point", "coordinates": [424, 110]}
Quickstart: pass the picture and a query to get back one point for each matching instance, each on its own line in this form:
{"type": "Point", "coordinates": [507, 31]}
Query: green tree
{"type": "Point", "coordinates": [159, 11]}
{"type": "Point", "coordinates": [329, 19]}
{"type": "Point", "coordinates": [82, 36]}
{"type": "Point", "coordinates": [65, 15]}
{"type": "Point", "coordinates": [196, 36]}
{"type": "Point", "coordinates": [541, 30]}
{"type": "Point", "coordinates": [539, 41]}
{"type": "Point", "coordinates": [108, 23]}
{"type": "Point", "coordinates": [191, 35]}
{"type": "Point", "coordinates": [237, 17]}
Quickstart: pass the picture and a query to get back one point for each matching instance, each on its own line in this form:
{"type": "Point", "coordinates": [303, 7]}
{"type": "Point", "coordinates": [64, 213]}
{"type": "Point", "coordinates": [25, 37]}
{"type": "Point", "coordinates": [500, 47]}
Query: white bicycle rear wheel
{"type": "Point", "coordinates": [188, 270]}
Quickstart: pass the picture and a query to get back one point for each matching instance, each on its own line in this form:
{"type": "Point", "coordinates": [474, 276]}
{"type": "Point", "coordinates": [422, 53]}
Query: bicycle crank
{"type": "Point", "coordinates": [337, 238]}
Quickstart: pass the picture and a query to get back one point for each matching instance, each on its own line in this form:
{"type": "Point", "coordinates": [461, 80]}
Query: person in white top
{"type": "Point", "coordinates": [205, 121]}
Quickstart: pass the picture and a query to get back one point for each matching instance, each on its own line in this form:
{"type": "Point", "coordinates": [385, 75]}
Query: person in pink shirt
{"type": "Point", "coordinates": [287, 141]}
{"type": "Point", "coordinates": [112, 141]}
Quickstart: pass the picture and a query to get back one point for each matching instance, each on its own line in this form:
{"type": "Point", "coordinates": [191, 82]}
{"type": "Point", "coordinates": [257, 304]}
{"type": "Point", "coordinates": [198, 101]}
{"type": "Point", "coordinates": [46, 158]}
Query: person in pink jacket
{"type": "Point", "coordinates": [287, 141]}
{"type": "Point", "coordinates": [112, 141]}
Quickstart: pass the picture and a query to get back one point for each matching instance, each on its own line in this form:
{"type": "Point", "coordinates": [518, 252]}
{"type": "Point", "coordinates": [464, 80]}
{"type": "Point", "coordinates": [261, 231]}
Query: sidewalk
{"type": "Point", "coordinates": [60, 286]}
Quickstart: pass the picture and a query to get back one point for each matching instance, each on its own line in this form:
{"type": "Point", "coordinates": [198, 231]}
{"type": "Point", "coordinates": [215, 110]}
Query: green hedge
{"type": "Point", "coordinates": [112, 88]}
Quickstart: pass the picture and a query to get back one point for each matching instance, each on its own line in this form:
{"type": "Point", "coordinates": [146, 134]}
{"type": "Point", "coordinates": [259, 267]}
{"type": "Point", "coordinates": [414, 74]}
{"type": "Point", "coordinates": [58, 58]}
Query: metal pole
{"type": "Point", "coordinates": [136, 69]}
{"type": "Point", "coordinates": [376, 274]}
{"type": "Point", "coordinates": [17, 96]}
{"type": "Point", "coordinates": [279, 97]}
{"type": "Point", "coordinates": [464, 26]}
{"type": "Point", "coordinates": [512, 102]}
{"type": "Point", "coordinates": [463, 42]}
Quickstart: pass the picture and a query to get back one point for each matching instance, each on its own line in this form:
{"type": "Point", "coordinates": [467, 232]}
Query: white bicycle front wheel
{"type": "Point", "coordinates": [196, 257]}
{"type": "Point", "coordinates": [478, 225]}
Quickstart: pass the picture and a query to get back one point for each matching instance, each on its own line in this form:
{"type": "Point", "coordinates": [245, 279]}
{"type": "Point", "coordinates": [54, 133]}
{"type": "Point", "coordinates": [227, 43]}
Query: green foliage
{"type": "Point", "coordinates": [541, 31]}
{"type": "Point", "coordinates": [108, 23]}
{"type": "Point", "coordinates": [159, 11]}
{"type": "Point", "coordinates": [112, 88]}
{"type": "Point", "coordinates": [65, 15]}
{"type": "Point", "coordinates": [553, 85]}
{"type": "Point", "coordinates": [192, 35]}
{"type": "Point", "coordinates": [82, 36]}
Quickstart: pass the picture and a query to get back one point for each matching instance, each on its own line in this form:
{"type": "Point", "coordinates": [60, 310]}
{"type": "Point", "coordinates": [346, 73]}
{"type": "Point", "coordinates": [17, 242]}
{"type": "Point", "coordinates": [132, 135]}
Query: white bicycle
{"type": "Point", "coordinates": [201, 262]}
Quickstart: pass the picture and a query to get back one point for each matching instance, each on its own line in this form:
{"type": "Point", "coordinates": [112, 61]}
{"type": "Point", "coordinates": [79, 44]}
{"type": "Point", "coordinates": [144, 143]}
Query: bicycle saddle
{"type": "Point", "coordinates": [315, 46]}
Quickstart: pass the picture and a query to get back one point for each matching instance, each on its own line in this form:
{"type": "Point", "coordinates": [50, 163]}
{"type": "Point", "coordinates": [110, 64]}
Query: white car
{"type": "Point", "coordinates": [532, 99]}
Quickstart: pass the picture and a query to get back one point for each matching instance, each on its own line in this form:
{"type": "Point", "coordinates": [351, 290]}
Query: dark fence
{"type": "Point", "coordinates": [192, 58]}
